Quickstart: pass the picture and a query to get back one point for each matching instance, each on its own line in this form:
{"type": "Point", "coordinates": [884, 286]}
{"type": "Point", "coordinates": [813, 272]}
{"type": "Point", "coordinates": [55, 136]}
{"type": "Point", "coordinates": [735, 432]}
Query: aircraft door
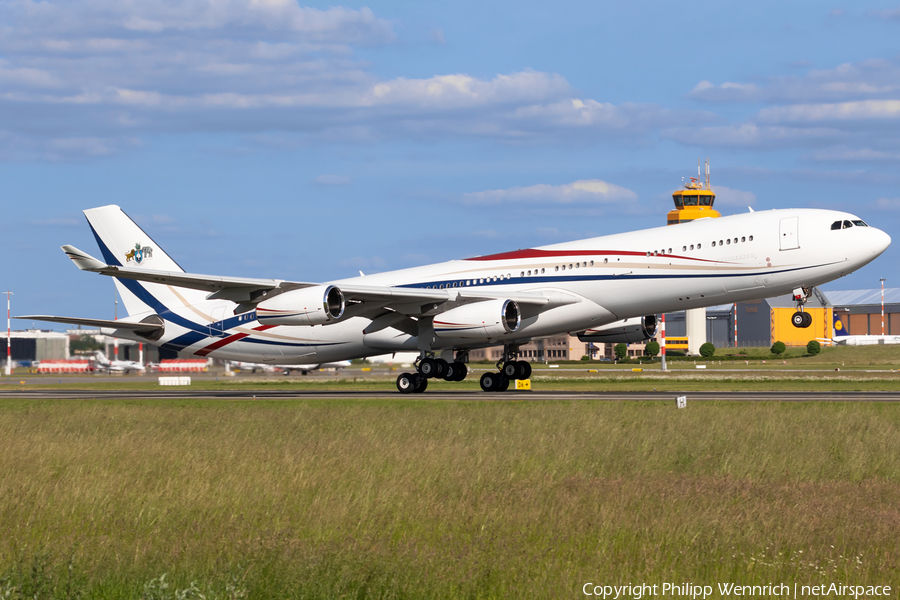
{"type": "Point", "coordinates": [789, 237]}
{"type": "Point", "coordinates": [216, 327]}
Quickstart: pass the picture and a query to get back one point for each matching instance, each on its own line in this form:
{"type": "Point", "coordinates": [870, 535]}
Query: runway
{"type": "Point", "coordinates": [468, 395]}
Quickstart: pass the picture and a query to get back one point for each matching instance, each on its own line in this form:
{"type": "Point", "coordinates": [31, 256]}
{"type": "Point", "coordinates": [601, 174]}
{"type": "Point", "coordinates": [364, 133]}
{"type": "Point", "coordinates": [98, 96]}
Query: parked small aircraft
{"type": "Point", "coordinates": [116, 366]}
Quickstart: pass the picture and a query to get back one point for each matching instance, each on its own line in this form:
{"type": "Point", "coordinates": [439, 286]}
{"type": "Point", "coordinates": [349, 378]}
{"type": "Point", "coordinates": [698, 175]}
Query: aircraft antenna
{"type": "Point", "coordinates": [9, 338]}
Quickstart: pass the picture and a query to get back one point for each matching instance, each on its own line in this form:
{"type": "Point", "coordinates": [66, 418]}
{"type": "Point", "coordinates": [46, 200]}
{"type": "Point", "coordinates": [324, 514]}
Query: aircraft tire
{"type": "Point", "coordinates": [421, 384]}
{"type": "Point", "coordinates": [460, 371]}
{"type": "Point", "coordinates": [442, 366]}
{"type": "Point", "coordinates": [808, 319]}
{"type": "Point", "coordinates": [504, 384]}
{"type": "Point", "coordinates": [510, 369]}
{"type": "Point", "coordinates": [406, 383]}
{"type": "Point", "coordinates": [489, 381]}
{"type": "Point", "coordinates": [428, 368]}
{"type": "Point", "coordinates": [798, 319]}
{"type": "Point", "coordinates": [523, 369]}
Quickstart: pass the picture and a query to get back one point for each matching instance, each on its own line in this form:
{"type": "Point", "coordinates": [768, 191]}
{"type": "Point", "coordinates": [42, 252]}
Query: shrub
{"type": "Point", "coordinates": [621, 350]}
{"type": "Point", "coordinates": [813, 347]}
{"type": "Point", "coordinates": [652, 348]}
{"type": "Point", "coordinates": [778, 348]}
{"type": "Point", "coordinates": [707, 350]}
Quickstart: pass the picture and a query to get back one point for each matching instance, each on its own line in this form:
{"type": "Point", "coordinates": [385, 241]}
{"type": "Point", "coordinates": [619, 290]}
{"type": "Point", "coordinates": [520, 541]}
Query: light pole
{"type": "Point", "coordinates": [8, 337]}
{"type": "Point", "coordinates": [882, 305]}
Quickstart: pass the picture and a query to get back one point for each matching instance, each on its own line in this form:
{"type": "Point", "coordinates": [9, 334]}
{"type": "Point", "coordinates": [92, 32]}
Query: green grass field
{"type": "Point", "coordinates": [411, 498]}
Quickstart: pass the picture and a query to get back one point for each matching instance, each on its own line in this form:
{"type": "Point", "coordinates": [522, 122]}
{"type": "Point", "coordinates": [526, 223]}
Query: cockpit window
{"type": "Point", "coordinates": [835, 225]}
{"type": "Point", "coordinates": [847, 224]}
{"type": "Point", "coordinates": [860, 223]}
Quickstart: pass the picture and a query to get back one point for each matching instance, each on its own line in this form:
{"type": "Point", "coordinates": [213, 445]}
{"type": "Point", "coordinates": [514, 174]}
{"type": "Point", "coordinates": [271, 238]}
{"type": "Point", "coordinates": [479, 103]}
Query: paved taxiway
{"type": "Point", "coordinates": [186, 393]}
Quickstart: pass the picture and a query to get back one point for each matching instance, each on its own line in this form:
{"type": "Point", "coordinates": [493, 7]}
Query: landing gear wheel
{"type": "Point", "coordinates": [428, 367]}
{"type": "Point", "coordinates": [504, 384]}
{"type": "Point", "coordinates": [406, 383]}
{"type": "Point", "coordinates": [421, 384]}
{"type": "Point", "coordinates": [801, 319]}
{"type": "Point", "coordinates": [510, 369]}
{"type": "Point", "coordinates": [489, 381]}
{"type": "Point", "coordinates": [460, 370]}
{"type": "Point", "coordinates": [523, 370]}
{"type": "Point", "coordinates": [442, 366]}
{"type": "Point", "coordinates": [450, 372]}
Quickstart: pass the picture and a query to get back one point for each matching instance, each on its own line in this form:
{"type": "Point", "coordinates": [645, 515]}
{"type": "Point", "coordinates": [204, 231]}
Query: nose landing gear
{"type": "Point", "coordinates": [801, 319]}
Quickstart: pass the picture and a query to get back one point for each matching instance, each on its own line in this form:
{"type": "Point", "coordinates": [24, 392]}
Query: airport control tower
{"type": "Point", "coordinates": [694, 201]}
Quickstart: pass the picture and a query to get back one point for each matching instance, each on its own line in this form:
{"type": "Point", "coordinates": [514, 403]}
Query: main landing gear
{"type": "Point", "coordinates": [509, 368]}
{"type": "Point", "coordinates": [801, 319]}
{"type": "Point", "coordinates": [428, 367]}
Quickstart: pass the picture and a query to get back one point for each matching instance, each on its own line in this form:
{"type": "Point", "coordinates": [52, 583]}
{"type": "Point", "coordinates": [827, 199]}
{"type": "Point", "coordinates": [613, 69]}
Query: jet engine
{"type": "Point", "coordinates": [635, 329]}
{"type": "Point", "coordinates": [479, 321]}
{"type": "Point", "coordinates": [315, 305]}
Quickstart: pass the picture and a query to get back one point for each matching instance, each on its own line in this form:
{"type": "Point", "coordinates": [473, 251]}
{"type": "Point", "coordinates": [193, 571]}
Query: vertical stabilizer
{"type": "Point", "coordinates": [839, 330]}
{"type": "Point", "coordinates": [125, 244]}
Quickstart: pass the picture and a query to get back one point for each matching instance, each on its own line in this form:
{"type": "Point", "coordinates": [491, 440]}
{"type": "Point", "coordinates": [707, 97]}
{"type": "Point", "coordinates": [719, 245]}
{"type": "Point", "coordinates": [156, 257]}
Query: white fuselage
{"type": "Point", "coordinates": [691, 265]}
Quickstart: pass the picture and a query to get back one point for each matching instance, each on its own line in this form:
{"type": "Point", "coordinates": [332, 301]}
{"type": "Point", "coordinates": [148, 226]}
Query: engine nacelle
{"type": "Point", "coordinates": [479, 321]}
{"type": "Point", "coordinates": [628, 331]}
{"type": "Point", "coordinates": [315, 305]}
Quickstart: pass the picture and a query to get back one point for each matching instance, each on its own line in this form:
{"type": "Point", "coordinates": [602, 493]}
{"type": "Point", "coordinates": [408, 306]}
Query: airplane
{"type": "Point", "coordinates": [841, 337]}
{"type": "Point", "coordinates": [288, 369]}
{"type": "Point", "coordinates": [442, 311]}
{"type": "Point", "coordinates": [117, 366]}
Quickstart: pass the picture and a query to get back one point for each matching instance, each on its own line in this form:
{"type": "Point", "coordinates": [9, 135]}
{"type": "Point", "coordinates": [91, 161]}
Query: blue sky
{"type": "Point", "coordinates": [269, 138]}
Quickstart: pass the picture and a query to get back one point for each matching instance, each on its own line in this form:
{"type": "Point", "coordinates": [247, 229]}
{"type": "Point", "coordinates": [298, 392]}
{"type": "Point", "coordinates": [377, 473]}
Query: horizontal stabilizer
{"type": "Point", "coordinates": [129, 325]}
{"type": "Point", "coordinates": [238, 289]}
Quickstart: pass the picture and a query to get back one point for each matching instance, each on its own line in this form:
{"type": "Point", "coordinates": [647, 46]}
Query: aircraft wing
{"type": "Point", "coordinates": [109, 324]}
{"type": "Point", "coordinates": [362, 299]}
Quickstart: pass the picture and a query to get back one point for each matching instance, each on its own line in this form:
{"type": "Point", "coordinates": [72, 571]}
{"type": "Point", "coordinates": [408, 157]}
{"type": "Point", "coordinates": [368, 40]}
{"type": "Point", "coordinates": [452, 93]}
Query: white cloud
{"type": "Point", "coordinates": [889, 204]}
{"type": "Point", "coordinates": [732, 197]}
{"type": "Point", "coordinates": [750, 135]}
{"type": "Point", "coordinates": [840, 111]}
{"type": "Point", "coordinates": [845, 154]}
{"type": "Point", "coordinates": [585, 191]}
{"type": "Point", "coordinates": [872, 78]}
{"type": "Point", "coordinates": [269, 69]}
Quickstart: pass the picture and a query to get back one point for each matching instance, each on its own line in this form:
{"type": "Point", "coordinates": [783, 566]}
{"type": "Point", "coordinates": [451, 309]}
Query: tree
{"type": "Point", "coordinates": [652, 348]}
{"type": "Point", "coordinates": [707, 350]}
{"type": "Point", "coordinates": [778, 348]}
{"type": "Point", "coordinates": [621, 351]}
{"type": "Point", "coordinates": [813, 347]}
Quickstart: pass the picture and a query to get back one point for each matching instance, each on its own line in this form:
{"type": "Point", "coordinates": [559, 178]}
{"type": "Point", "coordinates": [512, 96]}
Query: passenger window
{"type": "Point", "coordinates": [698, 246]}
{"type": "Point", "coordinates": [714, 244]}
{"type": "Point", "coordinates": [728, 241]}
{"type": "Point", "coordinates": [684, 248]}
{"type": "Point", "coordinates": [847, 224]}
{"type": "Point", "coordinates": [751, 238]}
{"type": "Point", "coordinates": [835, 225]}
{"type": "Point", "coordinates": [692, 246]}
{"type": "Point", "coordinates": [743, 239]}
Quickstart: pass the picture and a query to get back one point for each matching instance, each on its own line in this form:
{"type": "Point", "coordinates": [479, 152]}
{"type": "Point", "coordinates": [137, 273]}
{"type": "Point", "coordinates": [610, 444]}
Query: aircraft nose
{"type": "Point", "coordinates": [880, 241]}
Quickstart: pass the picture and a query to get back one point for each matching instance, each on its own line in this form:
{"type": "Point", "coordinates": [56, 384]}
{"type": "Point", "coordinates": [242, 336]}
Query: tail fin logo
{"type": "Point", "coordinates": [139, 254]}
{"type": "Point", "coordinates": [839, 326]}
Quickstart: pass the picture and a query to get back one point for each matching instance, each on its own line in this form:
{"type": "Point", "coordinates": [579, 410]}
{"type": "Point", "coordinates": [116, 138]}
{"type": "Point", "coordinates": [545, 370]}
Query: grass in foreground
{"type": "Point", "coordinates": [419, 499]}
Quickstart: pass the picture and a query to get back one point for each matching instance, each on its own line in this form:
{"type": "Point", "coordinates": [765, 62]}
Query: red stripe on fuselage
{"type": "Point", "coordinates": [532, 253]}
{"type": "Point", "coordinates": [231, 338]}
